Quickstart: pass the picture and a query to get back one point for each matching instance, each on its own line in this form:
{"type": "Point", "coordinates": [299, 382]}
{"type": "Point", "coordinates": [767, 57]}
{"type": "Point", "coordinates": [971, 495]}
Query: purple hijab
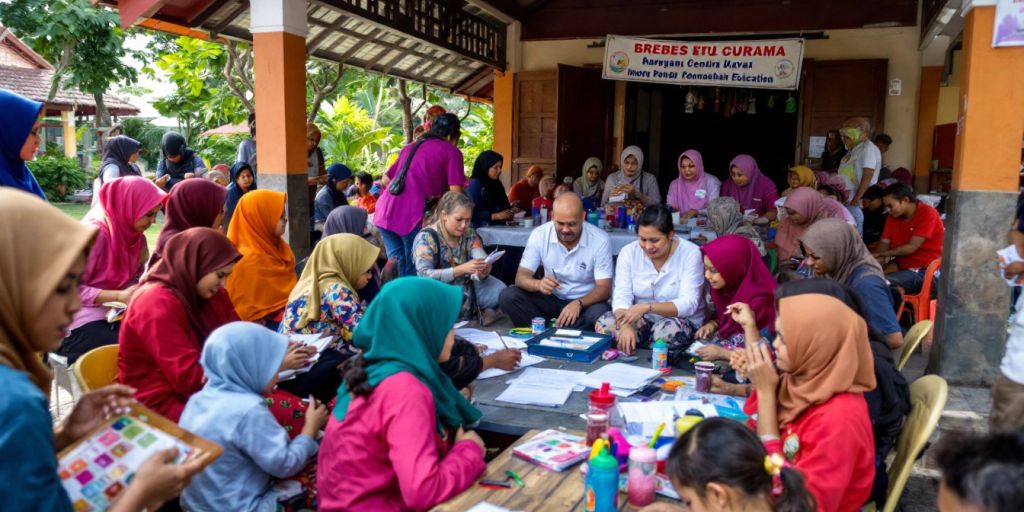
{"type": "Point", "coordinates": [683, 192]}
{"type": "Point", "coordinates": [758, 186]}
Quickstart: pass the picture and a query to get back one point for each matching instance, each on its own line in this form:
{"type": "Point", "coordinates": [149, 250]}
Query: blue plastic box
{"type": "Point", "coordinates": [588, 356]}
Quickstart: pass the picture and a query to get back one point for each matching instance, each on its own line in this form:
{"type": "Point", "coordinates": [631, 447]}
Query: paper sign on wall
{"type": "Point", "coordinates": [1009, 24]}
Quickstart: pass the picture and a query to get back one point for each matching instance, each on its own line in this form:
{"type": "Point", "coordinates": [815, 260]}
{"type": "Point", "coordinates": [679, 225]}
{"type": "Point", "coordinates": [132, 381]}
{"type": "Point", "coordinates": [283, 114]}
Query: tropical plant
{"type": "Point", "coordinates": [220, 149]}
{"type": "Point", "coordinates": [351, 136]}
{"type": "Point", "coordinates": [58, 175]}
{"type": "Point", "coordinates": [148, 135]}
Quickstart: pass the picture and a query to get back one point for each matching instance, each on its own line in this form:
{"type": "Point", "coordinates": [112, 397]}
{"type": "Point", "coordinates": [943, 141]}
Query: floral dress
{"type": "Point", "coordinates": [340, 311]}
{"type": "Point", "coordinates": [437, 260]}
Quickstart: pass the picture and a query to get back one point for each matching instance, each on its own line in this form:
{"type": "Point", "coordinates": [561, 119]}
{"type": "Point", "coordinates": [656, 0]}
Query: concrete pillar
{"type": "Point", "coordinates": [279, 68]}
{"type": "Point", "coordinates": [68, 123]}
{"type": "Point", "coordinates": [504, 103]}
{"type": "Point", "coordinates": [927, 107]}
{"type": "Point", "coordinates": [973, 300]}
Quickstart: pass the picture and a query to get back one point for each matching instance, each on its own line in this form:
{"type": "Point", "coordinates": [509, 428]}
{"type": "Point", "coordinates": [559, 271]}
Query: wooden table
{"type": "Point", "coordinates": [545, 490]}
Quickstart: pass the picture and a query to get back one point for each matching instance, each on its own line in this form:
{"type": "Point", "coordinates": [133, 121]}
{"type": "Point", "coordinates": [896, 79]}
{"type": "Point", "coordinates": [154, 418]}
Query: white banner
{"type": "Point", "coordinates": [769, 64]}
{"type": "Point", "coordinates": [1009, 24]}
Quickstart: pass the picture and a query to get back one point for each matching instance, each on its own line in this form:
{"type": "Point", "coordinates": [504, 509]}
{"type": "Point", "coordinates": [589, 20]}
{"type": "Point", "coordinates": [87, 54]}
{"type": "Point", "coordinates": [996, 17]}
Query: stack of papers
{"type": "Point", "coordinates": [495, 342]}
{"type": "Point", "coordinates": [541, 386]}
{"type": "Point", "coordinates": [625, 379]}
{"type": "Point", "coordinates": [643, 418]}
{"type": "Point", "coordinates": [527, 360]}
{"type": "Point", "coordinates": [319, 341]}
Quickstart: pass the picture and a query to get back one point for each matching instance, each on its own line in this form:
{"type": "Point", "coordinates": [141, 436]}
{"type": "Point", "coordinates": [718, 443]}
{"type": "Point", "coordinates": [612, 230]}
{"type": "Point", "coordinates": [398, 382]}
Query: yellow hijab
{"type": "Point", "coordinates": [340, 258]}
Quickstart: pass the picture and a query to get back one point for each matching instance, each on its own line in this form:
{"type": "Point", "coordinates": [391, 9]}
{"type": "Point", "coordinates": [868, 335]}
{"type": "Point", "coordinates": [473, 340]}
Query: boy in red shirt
{"type": "Point", "coordinates": [912, 237]}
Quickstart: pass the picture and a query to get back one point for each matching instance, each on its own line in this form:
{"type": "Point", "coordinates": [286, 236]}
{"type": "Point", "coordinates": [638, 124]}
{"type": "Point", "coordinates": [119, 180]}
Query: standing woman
{"type": "Point", "coordinates": [424, 170]}
{"type": "Point", "coordinates": [261, 282]}
{"type": "Point", "coordinates": [243, 180]}
{"type": "Point", "coordinates": [396, 439]}
{"type": "Point", "coordinates": [193, 204]}
{"type": "Point", "coordinates": [19, 141]}
{"type": "Point", "coordinates": [524, 191]}
{"type": "Point", "coordinates": [725, 218]}
{"type": "Point", "coordinates": [170, 316]}
{"type": "Point", "coordinates": [691, 192]}
{"type": "Point", "coordinates": [486, 191]}
{"type": "Point", "coordinates": [803, 207]}
{"type": "Point", "coordinates": [751, 189]}
{"type": "Point", "coordinates": [589, 186]}
{"type": "Point", "coordinates": [38, 297]}
{"type": "Point", "coordinates": [178, 162]}
{"type": "Point", "coordinates": [127, 208]}
{"type": "Point", "coordinates": [632, 180]}
{"type": "Point", "coordinates": [119, 156]}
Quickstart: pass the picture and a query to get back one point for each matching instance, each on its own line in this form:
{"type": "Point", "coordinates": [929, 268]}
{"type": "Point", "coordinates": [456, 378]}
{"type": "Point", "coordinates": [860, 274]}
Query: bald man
{"type": "Point", "coordinates": [577, 261]}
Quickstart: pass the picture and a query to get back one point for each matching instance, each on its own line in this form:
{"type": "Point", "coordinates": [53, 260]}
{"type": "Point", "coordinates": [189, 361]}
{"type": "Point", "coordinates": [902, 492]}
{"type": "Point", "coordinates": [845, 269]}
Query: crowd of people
{"type": "Point", "coordinates": [382, 419]}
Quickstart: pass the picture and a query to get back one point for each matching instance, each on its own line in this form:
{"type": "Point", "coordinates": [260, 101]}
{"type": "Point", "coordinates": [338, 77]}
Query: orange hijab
{"type": "Point", "coordinates": [826, 358]}
{"type": "Point", "coordinates": [263, 278]}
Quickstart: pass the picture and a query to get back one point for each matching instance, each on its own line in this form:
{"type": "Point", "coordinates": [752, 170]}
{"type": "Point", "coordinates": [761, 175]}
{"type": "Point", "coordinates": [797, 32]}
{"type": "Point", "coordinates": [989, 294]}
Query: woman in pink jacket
{"type": "Point", "coordinates": [396, 441]}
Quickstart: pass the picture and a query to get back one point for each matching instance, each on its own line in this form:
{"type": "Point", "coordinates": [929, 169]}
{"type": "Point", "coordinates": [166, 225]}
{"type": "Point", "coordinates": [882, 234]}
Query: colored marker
{"type": "Point", "coordinates": [495, 484]}
{"type": "Point", "coordinates": [657, 434]}
{"type": "Point", "coordinates": [515, 477]}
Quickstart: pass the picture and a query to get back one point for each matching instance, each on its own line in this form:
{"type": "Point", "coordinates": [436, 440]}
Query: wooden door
{"type": "Point", "coordinates": [834, 90]}
{"type": "Point", "coordinates": [584, 118]}
{"type": "Point", "coordinates": [534, 122]}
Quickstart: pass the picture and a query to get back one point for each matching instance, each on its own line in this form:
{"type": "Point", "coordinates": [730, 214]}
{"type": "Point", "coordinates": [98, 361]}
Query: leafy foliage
{"type": "Point", "coordinates": [220, 149]}
{"type": "Point", "coordinates": [148, 136]}
{"type": "Point", "coordinates": [58, 175]}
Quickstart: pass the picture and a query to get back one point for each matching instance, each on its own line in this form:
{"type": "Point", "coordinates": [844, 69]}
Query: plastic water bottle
{"type": "Point", "coordinates": [543, 213]}
{"type": "Point", "coordinates": [602, 484]}
{"type": "Point", "coordinates": [659, 356]}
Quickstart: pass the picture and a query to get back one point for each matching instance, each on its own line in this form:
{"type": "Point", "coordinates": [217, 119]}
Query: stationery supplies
{"type": "Point", "coordinates": [553, 450]}
{"type": "Point", "coordinates": [624, 379]}
{"type": "Point", "coordinates": [601, 492]}
{"type": "Point", "coordinates": [568, 344]}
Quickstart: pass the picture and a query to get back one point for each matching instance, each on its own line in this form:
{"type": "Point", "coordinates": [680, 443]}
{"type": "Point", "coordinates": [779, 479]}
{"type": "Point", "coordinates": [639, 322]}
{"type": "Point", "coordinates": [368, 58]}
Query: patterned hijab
{"type": "Point", "coordinates": [341, 258]}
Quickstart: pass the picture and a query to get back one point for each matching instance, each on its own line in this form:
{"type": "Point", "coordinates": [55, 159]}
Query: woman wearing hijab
{"type": "Point", "coordinates": [170, 316]}
{"type": "Point", "coordinates": [800, 176]}
{"type": "Point", "coordinates": [127, 208]}
{"type": "Point", "coordinates": [19, 141]}
{"type": "Point", "coordinates": [631, 181]}
{"type": "Point", "coordinates": [352, 219]}
{"type": "Point", "coordinates": [836, 251]}
{"type": "Point", "coordinates": [691, 192]}
{"type": "Point", "coordinates": [119, 156]}
{"type": "Point", "coordinates": [396, 439]}
{"type": "Point", "coordinates": [243, 180]}
{"type": "Point", "coordinates": [751, 189]}
{"type": "Point", "coordinates": [809, 403]}
{"type": "Point", "coordinates": [524, 191]}
{"type": "Point", "coordinates": [177, 162]}
{"type": "Point", "coordinates": [193, 204]}
{"type": "Point", "coordinates": [589, 186]}
{"type": "Point", "coordinates": [260, 284]}
{"type": "Point", "coordinates": [736, 274]}
{"type": "Point", "coordinates": [725, 218]}
{"type": "Point", "coordinates": [37, 300]}
{"type": "Point", "coordinates": [803, 207]}
{"type": "Point", "coordinates": [486, 191]}
{"type": "Point", "coordinates": [330, 196]}
{"type": "Point", "coordinates": [241, 362]}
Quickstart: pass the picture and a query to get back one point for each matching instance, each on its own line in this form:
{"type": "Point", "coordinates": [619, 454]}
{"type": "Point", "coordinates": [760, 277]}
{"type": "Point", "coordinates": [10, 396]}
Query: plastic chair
{"type": "Point", "coordinates": [927, 400]}
{"type": "Point", "coordinates": [912, 340]}
{"type": "Point", "coordinates": [62, 379]}
{"type": "Point", "coordinates": [96, 368]}
{"type": "Point", "coordinates": [920, 302]}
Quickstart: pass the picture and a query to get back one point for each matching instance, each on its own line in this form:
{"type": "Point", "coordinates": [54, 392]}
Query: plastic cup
{"type": "Point", "coordinates": [641, 482]}
{"type": "Point", "coordinates": [527, 223]}
{"type": "Point", "coordinates": [597, 425]}
{"type": "Point", "coordinates": [704, 371]}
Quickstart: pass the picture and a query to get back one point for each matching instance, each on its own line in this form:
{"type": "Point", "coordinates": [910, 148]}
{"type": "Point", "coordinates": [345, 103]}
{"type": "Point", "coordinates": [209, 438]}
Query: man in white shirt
{"type": "Point", "coordinates": [577, 261]}
{"type": "Point", "coordinates": [1008, 391]}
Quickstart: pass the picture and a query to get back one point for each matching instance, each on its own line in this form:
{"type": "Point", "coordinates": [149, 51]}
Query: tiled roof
{"type": "Point", "coordinates": [35, 84]}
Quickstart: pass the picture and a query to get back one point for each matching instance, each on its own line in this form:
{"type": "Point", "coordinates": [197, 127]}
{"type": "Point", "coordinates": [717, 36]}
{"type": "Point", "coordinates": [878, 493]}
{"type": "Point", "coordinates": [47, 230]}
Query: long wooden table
{"type": "Point", "coordinates": [545, 490]}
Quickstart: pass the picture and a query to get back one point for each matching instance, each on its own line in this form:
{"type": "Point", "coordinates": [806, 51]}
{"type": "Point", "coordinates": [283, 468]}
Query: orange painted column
{"type": "Point", "coordinates": [279, 72]}
{"type": "Point", "coordinates": [504, 93]}
{"type": "Point", "coordinates": [973, 300]}
{"type": "Point", "coordinates": [927, 108]}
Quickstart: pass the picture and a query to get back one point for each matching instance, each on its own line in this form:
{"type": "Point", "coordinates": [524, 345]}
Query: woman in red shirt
{"type": "Point", "coordinates": [527, 189]}
{"type": "Point", "coordinates": [809, 403]}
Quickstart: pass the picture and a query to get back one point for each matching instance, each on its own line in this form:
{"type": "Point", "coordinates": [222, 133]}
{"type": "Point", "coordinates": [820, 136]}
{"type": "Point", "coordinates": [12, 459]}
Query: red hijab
{"type": "Point", "coordinates": [119, 247]}
{"type": "Point", "coordinates": [747, 280]}
{"type": "Point", "coordinates": [190, 204]}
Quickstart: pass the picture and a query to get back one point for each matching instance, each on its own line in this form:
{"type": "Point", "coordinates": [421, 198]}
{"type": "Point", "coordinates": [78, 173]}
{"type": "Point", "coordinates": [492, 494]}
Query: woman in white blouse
{"type": "Point", "coordinates": [659, 288]}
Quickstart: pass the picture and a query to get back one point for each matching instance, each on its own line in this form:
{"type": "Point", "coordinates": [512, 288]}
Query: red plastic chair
{"type": "Point", "coordinates": [922, 301]}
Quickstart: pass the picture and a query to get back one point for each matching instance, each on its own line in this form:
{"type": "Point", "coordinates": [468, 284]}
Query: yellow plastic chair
{"type": "Point", "coordinates": [910, 343]}
{"type": "Point", "coordinates": [927, 400]}
{"type": "Point", "coordinates": [96, 368]}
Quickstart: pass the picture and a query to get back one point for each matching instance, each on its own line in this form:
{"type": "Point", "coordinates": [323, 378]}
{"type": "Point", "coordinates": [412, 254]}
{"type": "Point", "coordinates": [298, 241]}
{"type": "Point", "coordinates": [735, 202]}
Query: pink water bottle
{"type": "Point", "coordinates": [643, 463]}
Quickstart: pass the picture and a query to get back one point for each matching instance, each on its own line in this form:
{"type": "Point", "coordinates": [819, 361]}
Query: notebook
{"type": "Point", "coordinates": [553, 449]}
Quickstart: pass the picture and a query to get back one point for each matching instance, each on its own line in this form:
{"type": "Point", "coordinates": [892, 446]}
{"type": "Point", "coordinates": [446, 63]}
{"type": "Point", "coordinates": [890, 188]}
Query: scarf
{"type": "Point", "coordinates": [118, 150]}
{"type": "Point", "coordinates": [683, 193]}
{"type": "Point", "coordinates": [725, 218]}
{"type": "Point", "coordinates": [805, 176]}
{"type": "Point", "coordinates": [404, 330]}
{"type": "Point", "coordinates": [261, 282]}
{"type": "Point", "coordinates": [584, 187]}
{"type": "Point", "coordinates": [842, 249]}
{"type": "Point", "coordinates": [122, 202]}
{"type": "Point", "coordinates": [812, 207]}
{"type": "Point", "coordinates": [336, 173]}
{"type": "Point", "coordinates": [346, 219]}
{"type": "Point", "coordinates": [494, 191]}
{"type": "Point", "coordinates": [18, 115]}
{"type": "Point", "coordinates": [747, 280]}
{"type": "Point", "coordinates": [173, 144]}
{"type": "Point", "coordinates": [758, 186]}
{"type": "Point", "coordinates": [635, 152]}
{"type": "Point", "coordinates": [31, 266]}
{"type": "Point", "coordinates": [239, 360]}
{"type": "Point", "coordinates": [187, 257]}
{"type": "Point", "coordinates": [341, 258]}
{"type": "Point", "coordinates": [825, 357]}
{"type": "Point", "coordinates": [191, 204]}
{"type": "Point", "coordinates": [234, 191]}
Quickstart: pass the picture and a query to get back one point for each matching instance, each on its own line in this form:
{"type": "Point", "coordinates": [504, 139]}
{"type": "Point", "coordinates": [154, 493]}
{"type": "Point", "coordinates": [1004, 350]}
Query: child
{"type": "Point", "coordinates": [241, 361]}
{"type": "Point", "coordinates": [364, 195]}
{"type": "Point", "coordinates": [981, 473]}
{"type": "Point", "coordinates": [219, 175]}
{"type": "Point", "coordinates": [242, 181]}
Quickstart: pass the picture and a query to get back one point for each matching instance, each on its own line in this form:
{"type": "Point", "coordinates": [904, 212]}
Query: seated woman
{"type": "Point", "coordinates": [590, 186]}
{"type": "Point", "coordinates": [243, 180]}
{"type": "Point", "coordinates": [354, 220]}
{"type": "Point", "coordinates": [524, 191]}
{"type": "Point", "coordinates": [659, 288]}
{"type": "Point", "coordinates": [119, 156]}
{"type": "Point", "coordinates": [451, 252]}
{"type": "Point", "coordinates": [260, 284]}
{"type": "Point", "coordinates": [546, 198]}
{"type": "Point", "coordinates": [803, 207]}
{"type": "Point", "coordinates": [809, 403]}
{"type": "Point", "coordinates": [751, 189]}
{"type": "Point", "coordinates": [38, 297]}
{"type": "Point", "coordinates": [833, 189]}
{"type": "Point", "coordinates": [799, 176]}
{"type": "Point", "coordinates": [725, 218]}
{"type": "Point", "coordinates": [691, 192]}
{"type": "Point", "coordinates": [330, 196]}
{"type": "Point", "coordinates": [170, 316]}
{"type": "Point", "coordinates": [191, 204]}
{"type": "Point", "coordinates": [631, 183]}
{"type": "Point", "coordinates": [396, 439]}
{"type": "Point", "coordinates": [127, 208]}
{"type": "Point", "coordinates": [241, 362]}
{"type": "Point", "coordinates": [836, 251]}
{"type": "Point", "coordinates": [735, 274]}
{"type": "Point", "coordinates": [338, 268]}
{"type": "Point", "coordinates": [487, 193]}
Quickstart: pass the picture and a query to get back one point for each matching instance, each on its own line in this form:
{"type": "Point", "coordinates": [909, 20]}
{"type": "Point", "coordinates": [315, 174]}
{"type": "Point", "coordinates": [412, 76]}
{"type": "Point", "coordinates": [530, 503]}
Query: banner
{"type": "Point", "coordinates": [1009, 29]}
{"type": "Point", "coordinates": [769, 64]}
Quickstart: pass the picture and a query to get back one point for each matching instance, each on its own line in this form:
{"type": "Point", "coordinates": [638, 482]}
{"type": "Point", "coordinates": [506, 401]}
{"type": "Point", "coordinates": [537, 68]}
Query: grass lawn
{"type": "Point", "coordinates": [78, 210]}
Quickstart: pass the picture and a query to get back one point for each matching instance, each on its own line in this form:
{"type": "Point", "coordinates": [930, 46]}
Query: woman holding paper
{"type": "Point", "coordinates": [38, 298]}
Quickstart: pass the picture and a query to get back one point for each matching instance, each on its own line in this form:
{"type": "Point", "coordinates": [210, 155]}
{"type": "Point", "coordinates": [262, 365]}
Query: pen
{"type": "Point", "coordinates": [495, 484]}
{"type": "Point", "coordinates": [515, 477]}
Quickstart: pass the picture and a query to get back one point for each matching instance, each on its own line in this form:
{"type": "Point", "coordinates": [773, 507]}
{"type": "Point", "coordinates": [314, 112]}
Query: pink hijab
{"type": "Point", "coordinates": [812, 206]}
{"type": "Point", "coordinates": [747, 280]}
{"type": "Point", "coordinates": [683, 192]}
{"type": "Point", "coordinates": [758, 186]}
{"type": "Point", "coordinates": [114, 260]}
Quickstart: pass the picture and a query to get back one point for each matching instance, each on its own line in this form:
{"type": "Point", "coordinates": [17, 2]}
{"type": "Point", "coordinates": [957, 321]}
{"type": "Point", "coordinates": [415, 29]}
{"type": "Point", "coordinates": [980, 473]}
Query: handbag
{"type": "Point", "coordinates": [398, 184]}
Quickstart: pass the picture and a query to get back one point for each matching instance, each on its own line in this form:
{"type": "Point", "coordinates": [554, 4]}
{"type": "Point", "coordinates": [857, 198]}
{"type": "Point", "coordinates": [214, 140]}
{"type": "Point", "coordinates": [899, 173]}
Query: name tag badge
{"type": "Point", "coordinates": [701, 193]}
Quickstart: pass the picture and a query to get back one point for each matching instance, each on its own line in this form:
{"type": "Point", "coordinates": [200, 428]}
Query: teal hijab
{"type": "Point", "coordinates": [404, 331]}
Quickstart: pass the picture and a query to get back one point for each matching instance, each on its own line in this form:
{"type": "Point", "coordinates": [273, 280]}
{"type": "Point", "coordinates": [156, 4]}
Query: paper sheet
{"type": "Point", "coordinates": [623, 377]}
{"type": "Point", "coordinates": [530, 393]}
{"type": "Point", "coordinates": [494, 256]}
{"type": "Point", "coordinates": [483, 506]}
{"type": "Point", "coordinates": [643, 418]}
{"type": "Point", "coordinates": [317, 341]}
{"type": "Point", "coordinates": [527, 360]}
